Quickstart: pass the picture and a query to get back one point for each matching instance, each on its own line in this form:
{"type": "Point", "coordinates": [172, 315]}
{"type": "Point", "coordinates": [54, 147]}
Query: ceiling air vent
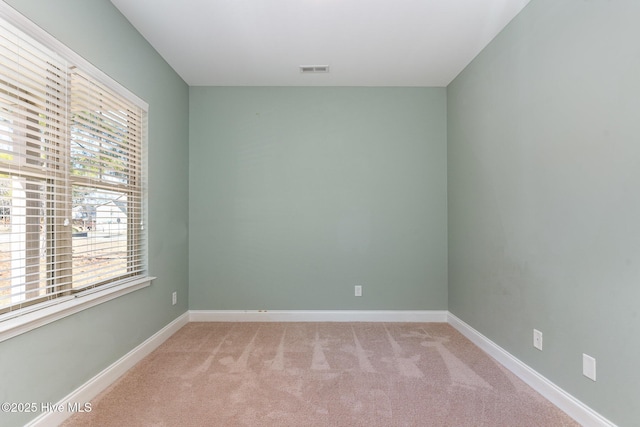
{"type": "Point", "coordinates": [306, 69]}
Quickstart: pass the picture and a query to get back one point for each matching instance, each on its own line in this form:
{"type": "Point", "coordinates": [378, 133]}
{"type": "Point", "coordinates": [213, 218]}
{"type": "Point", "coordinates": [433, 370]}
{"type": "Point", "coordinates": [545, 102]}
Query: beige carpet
{"type": "Point", "coordinates": [319, 374]}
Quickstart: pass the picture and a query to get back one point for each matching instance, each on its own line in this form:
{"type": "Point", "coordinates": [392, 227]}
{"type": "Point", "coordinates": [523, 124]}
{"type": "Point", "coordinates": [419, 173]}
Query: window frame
{"type": "Point", "coordinates": [36, 313]}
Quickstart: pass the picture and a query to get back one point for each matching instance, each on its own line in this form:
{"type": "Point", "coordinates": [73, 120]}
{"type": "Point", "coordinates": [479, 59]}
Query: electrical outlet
{"type": "Point", "coordinates": [588, 366]}
{"type": "Point", "coordinates": [537, 339]}
{"type": "Point", "coordinates": [174, 298]}
{"type": "Point", "coordinates": [358, 290]}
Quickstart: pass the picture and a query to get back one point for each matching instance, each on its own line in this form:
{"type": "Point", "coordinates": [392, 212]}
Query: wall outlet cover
{"type": "Point", "coordinates": [589, 367]}
{"type": "Point", "coordinates": [537, 339]}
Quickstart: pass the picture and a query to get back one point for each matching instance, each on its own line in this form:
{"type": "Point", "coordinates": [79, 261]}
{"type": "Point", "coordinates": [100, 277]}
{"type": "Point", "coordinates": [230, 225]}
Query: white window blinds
{"type": "Point", "coordinates": [71, 176]}
{"type": "Point", "coordinates": [106, 173]}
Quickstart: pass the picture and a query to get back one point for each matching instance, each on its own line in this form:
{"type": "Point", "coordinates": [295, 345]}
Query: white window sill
{"type": "Point", "coordinates": [18, 322]}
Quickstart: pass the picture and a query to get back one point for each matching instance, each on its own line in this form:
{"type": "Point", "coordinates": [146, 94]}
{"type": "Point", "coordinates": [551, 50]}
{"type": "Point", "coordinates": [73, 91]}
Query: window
{"type": "Point", "coordinates": [71, 174]}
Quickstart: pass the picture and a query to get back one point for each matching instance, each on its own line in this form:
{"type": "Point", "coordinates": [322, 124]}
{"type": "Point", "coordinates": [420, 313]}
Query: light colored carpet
{"type": "Point", "coordinates": [319, 374]}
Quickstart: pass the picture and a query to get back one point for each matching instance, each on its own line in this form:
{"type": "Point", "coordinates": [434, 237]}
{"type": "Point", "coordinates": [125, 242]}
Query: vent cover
{"type": "Point", "coordinates": [307, 69]}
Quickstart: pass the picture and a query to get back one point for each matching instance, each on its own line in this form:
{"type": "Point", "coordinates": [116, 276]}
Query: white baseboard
{"type": "Point", "coordinates": [318, 316]}
{"type": "Point", "coordinates": [577, 410]}
{"type": "Point", "coordinates": [104, 379]}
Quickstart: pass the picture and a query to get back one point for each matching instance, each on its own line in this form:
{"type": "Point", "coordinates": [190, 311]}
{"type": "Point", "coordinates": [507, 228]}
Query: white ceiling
{"type": "Point", "coordinates": [365, 42]}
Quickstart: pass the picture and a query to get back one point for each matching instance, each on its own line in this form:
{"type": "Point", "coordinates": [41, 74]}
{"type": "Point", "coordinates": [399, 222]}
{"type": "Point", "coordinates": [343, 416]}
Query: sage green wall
{"type": "Point", "coordinates": [46, 364]}
{"type": "Point", "coordinates": [544, 207]}
{"type": "Point", "coordinates": [298, 194]}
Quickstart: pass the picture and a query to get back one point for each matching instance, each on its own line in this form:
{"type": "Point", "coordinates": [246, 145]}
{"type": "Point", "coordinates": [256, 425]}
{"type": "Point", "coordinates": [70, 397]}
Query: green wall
{"type": "Point", "coordinates": [46, 364]}
{"type": "Point", "coordinates": [544, 207]}
{"type": "Point", "coordinates": [298, 194]}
